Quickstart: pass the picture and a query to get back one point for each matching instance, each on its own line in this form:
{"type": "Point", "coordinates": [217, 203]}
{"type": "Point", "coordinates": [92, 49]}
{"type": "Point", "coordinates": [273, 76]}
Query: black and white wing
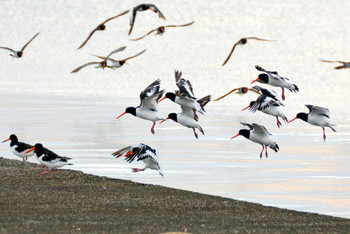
{"type": "Point", "coordinates": [260, 129]}
{"type": "Point", "coordinates": [268, 92]}
{"type": "Point", "coordinates": [29, 42]}
{"type": "Point", "coordinates": [85, 65]}
{"type": "Point", "coordinates": [189, 112]}
{"type": "Point", "coordinates": [150, 96]}
{"type": "Point", "coordinates": [130, 152]}
{"type": "Point", "coordinates": [184, 86]}
{"type": "Point", "coordinates": [156, 9]}
{"type": "Point", "coordinates": [263, 70]}
{"type": "Point", "coordinates": [317, 110]}
{"type": "Point", "coordinates": [263, 102]}
{"type": "Point", "coordinates": [6, 48]}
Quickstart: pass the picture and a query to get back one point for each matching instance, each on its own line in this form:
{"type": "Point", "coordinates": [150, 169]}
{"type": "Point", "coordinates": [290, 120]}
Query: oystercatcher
{"type": "Point", "coordinates": [143, 7]}
{"type": "Point", "coordinates": [49, 159]}
{"type": "Point", "coordinates": [118, 63]}
{"type": "Point", "coordinates": [142, 153]}
{"type": "Point", "coordinates": [148, 109]}
{"type": "Point", "coordinates": [345, 64]}
{"type": "Point", "coordinates": [101, 64]}
{"type": "Point", "coordinates": [19, 149]}
{"type": "Point", "coordinates": [160, 30]}
{"type": "Point", "coordinates": [185, 97]}
{"type": "Point", "coordinates": [272, 78]}
{"type": "Point", "coordinates": [101, 27]}
{"type": "Point", "coordinates": [240, 91]}
{"type": "Point", "coordinates": [242, 41]}
{"type": "Point", "coordinates": [258, 134]}
{"type": "Point", "coordinates": [318, 116]}
{"type": "Point", "coordinates": [187, 119]}
{"type": "Point", "coordinates": [18, 54]}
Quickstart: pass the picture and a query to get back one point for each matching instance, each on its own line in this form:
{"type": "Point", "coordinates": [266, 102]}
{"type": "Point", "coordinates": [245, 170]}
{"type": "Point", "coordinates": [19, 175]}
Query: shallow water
{"type": "Point", "coordinates": [74, 114]}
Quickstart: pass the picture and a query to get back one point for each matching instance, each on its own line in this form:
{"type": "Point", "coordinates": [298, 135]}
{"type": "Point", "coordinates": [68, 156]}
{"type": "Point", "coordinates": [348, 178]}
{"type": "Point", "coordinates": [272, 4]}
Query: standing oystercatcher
{"type": "Point", "coordinates": [49, 159]}
{"type": "Point", "coordinates": [272, 78]}
{"type": "Point", "coordinates": [318, 116]}
{"type": "Point", "coordinates": [258, 134]}
{"type": "Point", "coordinates": [148, 109]}
{"type": "Point", "coordinates": [142, 153]}
{"type": "Point", "coordinates": [19, 149]}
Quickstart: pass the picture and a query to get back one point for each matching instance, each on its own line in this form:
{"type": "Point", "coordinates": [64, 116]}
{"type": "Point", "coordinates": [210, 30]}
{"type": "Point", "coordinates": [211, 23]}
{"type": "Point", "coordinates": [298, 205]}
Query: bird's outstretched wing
{"type": "Point", "coordinates": [328, 61]}
{"type": "Point", "coordinates": [263, 102]}
{"type": "Point", "coordinates": [82, 66]}
{"type": "Point", "coordinates": [29, 42]}
{"type": "Point", "coordinates": [318, 110]}
{"type": "Point", "coordinates": [233, 48]}
{"type": "Point", "coordinates": [257, 38]}
{"type": "Point", "coordinates": [168, 26]}
{"type": "Point", "coordinates": [6, 48]}
{"type": "Point", "coordinates": [156, 9]}
{"type": "Point", "coordinates": [263, 70]}
{"type": "Point", "coordinates": [260, 129]}
{"type": "Point", "coordinates": [135, 55]}
{"type": "Point", "coordinates": [150, 96]}
{"type": "Point", "coordinates": [184, 86]}
{"type": "Point", "coordinates": [240, 91]}
{"type": "Point", "coordinates": [95, 29]}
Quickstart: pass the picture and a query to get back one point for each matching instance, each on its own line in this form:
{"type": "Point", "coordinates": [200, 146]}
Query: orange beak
{"type": "Point", "coordinates": [5, 140]}
{"type": "Point", "coordinates": [162, 99]}
{"type": "Point", "coordinates": [121, 115]}
{"type": "Point", "coordinates": [164, 120]}
{"type": "Point", "coordinates": [30, 150]}
{"type": "Point", "coordinates": [245, 108]}
{"type": "Point", "coordinates": [292, 120]}
{"type": "Point", "coordinates": [254, 81]}
{"type": "Point", "coordinates": [235, 136]}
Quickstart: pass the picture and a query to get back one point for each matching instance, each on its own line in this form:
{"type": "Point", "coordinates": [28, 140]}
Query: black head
{"type": "Point", "coordinates": [101, 27]}
{"type": "Point", "coordinates": [39, 149]}
{"type": "Point", "coordinates": [13, 138]}
{"type": "Point", "coordinates": [122, 62]}
{"type": "Point", "coordinates": [243, 90]}
{"type": "Point", "coordinates": [263, 78]}
{"type": "Point", "coordinates": [244, 41]}
{"type": "Point", "coordinates": [104, 64]}
{"type": "Point", "coordinates": [19, 53]}
{"type": "Point", "coordinates": [245, 133]}
{"type": "Point", "coordinates": [173, 116]}
{"type": "Point", "coordinates": [251, 103]}
{"type": "Point", "coordinates": [131, 110]}
{"type": "Point", "coordinates": [161, 30]}
{"type": "Point", "coordinates": [171, 96]}
{"type": "Point", "coordinates": [302, 116]}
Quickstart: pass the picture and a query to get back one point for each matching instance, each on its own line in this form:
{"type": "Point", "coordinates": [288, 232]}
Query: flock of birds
{"type": "Point", "coordinates": [268, 102]}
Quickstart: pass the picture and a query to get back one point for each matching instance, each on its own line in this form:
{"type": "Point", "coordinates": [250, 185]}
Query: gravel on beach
{"type": "Point", "coordinates": [76, 202]}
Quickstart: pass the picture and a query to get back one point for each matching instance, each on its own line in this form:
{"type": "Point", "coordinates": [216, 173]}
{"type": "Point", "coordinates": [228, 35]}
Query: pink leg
{"type": "Point", "coordinates": [45, 168]}
{"type": "Point", "coordinates": [52, 171]}
{"type": "Point", "coordinates": [262, 151]}
{"type": "Point", "coordinates": [195, 115]}
{"type": "Point", "coordinates": [324, 135]}
{"type": "Point", "coordinates": [195, 134]}
{"type": "Point", "coordinates": [152, 129]}
{"type": "Point", "coordinates": [283, 97]}
{"type": "Point", "coordinates": [24, 160]}
{"type": "Point", "coordinates": [266, 151]}
{"type": "Point", "coordinates": [45, 172]}
{"type": "Point", "coordinates": [279, 124]}
{"type": "Point", "coordinates": [138, 169]}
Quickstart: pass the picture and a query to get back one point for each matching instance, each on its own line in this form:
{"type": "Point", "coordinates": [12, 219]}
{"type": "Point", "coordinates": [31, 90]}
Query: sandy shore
{"type": "Point", "coordinates": [76, 202]}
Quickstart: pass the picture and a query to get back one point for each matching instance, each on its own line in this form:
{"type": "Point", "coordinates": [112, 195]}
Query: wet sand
{"type": "Point", "coordinates": [76, 202]}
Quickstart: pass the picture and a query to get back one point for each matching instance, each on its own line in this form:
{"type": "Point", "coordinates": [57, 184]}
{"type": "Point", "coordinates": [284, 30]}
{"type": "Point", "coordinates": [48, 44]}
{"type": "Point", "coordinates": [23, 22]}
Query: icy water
{"type": "Point", "coordinates": [74, 114]}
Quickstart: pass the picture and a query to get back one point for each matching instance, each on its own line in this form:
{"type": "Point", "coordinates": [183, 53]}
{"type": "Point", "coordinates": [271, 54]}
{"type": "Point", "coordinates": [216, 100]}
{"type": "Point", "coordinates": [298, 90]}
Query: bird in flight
{"type": "Point", "coordinates": [101, 27]}
{"type": "Point", "coordinates": [345, 64]}
{"type": "Point", "coordinates": [242, 41]}
{"type": "Point", "coordinates": [18, 54]}
{"type": "Point", "coordinates": [160, 30]}
{"type": "Point", "coordinates": [101, 64]}
{"type": "Point", "coordinates": [144, 7]}
{"type": "Point", "coordinates": [240, 91]}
